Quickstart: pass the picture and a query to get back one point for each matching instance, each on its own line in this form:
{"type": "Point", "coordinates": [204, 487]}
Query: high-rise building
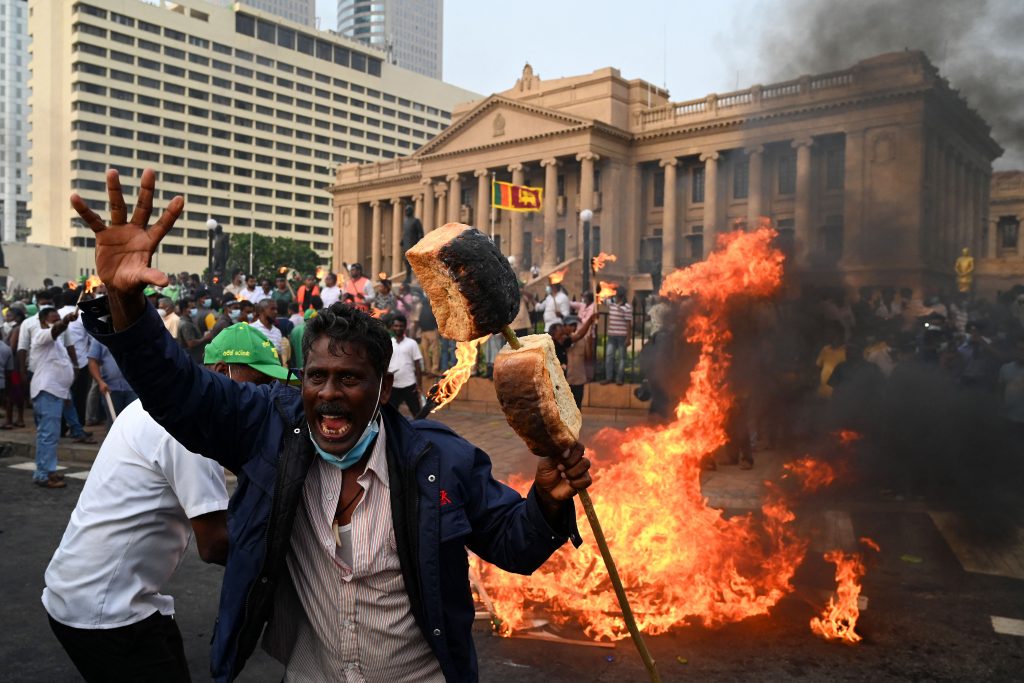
{"type": "Point", "coordinates": [300, 11]}
{"type": "Point", "coordinates": [243, 113]}
{"type": "Point", "coordinates": [410, 31]}
{"type": "Point", "coordinates": [13, 108]}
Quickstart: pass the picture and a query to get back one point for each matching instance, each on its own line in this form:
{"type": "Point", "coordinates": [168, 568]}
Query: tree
{"type": "Point", "coordinates": [269, 255]}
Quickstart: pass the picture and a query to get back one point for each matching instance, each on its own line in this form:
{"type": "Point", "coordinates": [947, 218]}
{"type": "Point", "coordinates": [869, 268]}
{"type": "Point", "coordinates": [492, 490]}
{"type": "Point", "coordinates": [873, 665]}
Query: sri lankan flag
{"type": "Point", "coordinates": [515, 197]}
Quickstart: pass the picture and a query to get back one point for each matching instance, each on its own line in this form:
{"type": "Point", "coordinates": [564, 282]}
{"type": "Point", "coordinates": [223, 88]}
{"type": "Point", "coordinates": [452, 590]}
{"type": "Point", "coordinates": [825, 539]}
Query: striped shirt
{"type": "Point", "coordinates": [336, 621]}
{"type": "Point", "coordinates": [619, 317]}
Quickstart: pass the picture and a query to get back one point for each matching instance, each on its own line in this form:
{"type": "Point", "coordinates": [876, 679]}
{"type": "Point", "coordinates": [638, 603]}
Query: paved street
{"type": "Point", "coordinates": [939, 608]}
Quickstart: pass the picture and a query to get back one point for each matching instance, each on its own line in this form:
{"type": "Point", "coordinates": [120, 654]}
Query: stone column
{"type": "Point", "coordinates": [586, 160]}
{"type": "Point", "coordinates": [375, 237]}
{"type": "Point", "coordinates": [755, 186]}
{"type": "Point", "coordinates": [454, 196]}
{"type": "Point", "coordinates": [515, 247]}
{"type": "Point", "coordinates": [854, 191]}
{"type": "Point", "coordinates": [550, 213]}
{"type": "Point", "coordinates": [668, 217]}
{"type": "Point", "coordinates": [710, 160]}
{"type": "Point", "coordinates": [958, 205]}
{"type": "Point", "coordinates": [441, 197]}
{"type": "Point", "coordinates": [428, 205]}
{"type": "Point", "coordinates": [397, 262]}
{"type": "Point", "coordinates": [482, 212]}
{"type": "Point", "coordinates": [802, 205]}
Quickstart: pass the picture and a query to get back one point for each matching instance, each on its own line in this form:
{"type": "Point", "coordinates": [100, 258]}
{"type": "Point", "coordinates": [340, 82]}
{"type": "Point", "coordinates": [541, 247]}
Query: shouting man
{"type": "Point", "coordinates": [349, 524]}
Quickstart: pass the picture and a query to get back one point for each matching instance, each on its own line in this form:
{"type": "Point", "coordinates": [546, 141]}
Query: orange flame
{"type": "Point", "coordinates": [72, 285]}
{"type": "Point", "coordinates": [557, 276]}
{"type": "Point", "coordinates": [378, 312]}
{"type": "Point", "coordinates": [601, 260]}
{"type": "Point", "coordinates": [607, 291]}
{"type": "Point", "coordinates": [681, 560]}
{"type": "Point", "coordinates": [813, 474]}
{"type": "Point", "coordinates": [839, 619]}
{"type": "Point", "coordinates": [92, 283]}
{"type": "Point", "coordinates": [457, 375]}
{"type": "Point", "coordinates": [282, 270]}
{"type": "Point", "coordinates": [320, 272]}
{"type": "Point", "coordinates": [847, 437]}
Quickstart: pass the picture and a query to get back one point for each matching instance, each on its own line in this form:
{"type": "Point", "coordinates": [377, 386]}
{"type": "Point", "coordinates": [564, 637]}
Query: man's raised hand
{"type": "Point", "coordinates": [125, 247]}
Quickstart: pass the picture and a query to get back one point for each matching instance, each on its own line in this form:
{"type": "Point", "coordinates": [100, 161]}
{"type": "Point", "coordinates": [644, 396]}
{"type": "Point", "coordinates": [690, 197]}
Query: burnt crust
{"type": "Point", "coordinates": [484, 278]}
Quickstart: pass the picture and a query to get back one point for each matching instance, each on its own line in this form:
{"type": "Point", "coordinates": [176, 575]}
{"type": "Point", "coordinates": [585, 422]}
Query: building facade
{"type": "Point", "coordinates": [299, 11]}
{"type": "Point", "coordinates": [874, 175]}
{"type": "Point", "coordinates": [411, 32]}
{"type": "Point", "coordinates": [243, 113]}
{"type": "Point", "coordinates": [14, 172]}
{"type": "Point", "coordinates": [1001, 266]}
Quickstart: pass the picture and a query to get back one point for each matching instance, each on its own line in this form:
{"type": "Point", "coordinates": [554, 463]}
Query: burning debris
{"type": "Point", "coordinates": [839, 619]}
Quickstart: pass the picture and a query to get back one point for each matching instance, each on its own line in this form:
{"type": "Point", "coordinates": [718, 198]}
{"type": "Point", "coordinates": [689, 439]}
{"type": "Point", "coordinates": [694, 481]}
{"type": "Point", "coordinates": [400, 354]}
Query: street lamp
{"type": "Point", "coordinates": [211, 227]}
{"type": "Point", "coordinates": [586, 215]}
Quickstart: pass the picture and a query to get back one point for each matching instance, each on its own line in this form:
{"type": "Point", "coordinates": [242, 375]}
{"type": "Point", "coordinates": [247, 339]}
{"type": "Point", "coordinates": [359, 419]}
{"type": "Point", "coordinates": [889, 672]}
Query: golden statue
{"type": "Point", "coordinates": [965, 271]}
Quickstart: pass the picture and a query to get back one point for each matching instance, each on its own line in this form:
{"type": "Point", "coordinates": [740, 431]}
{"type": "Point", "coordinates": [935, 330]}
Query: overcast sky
{"type": "Point", "coordinates": [697, 47]}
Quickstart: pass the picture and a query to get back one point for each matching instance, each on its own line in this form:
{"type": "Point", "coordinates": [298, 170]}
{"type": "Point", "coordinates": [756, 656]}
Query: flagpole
{"type": "Point", "coordinates": [493, 210]}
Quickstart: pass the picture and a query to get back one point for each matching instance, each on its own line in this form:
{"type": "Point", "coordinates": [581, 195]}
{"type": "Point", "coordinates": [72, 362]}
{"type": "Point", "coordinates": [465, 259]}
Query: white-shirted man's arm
{"type": "Point", "coordinates": [197, 482]}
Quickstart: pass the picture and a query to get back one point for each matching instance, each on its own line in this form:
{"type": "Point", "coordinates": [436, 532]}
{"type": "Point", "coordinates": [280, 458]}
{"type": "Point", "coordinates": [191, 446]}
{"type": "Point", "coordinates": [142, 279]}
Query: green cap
{"type": "Point", "coordinates": [245, 345]}
{"type": "Point", "coordinates": [308, 314]}
{"type": "Point", "coordinates": [149, 291]}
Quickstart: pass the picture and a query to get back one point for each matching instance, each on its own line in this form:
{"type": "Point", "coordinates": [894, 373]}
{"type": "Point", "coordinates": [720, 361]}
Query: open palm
{"type": "Point", "coordinates": [125, 247]}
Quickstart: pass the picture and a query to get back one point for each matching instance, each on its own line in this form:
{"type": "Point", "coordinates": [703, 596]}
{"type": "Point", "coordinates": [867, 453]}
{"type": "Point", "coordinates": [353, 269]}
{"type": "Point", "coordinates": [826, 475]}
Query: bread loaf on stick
{"type": "Point", "coordinates": [470, 283]}
{"type": "Point", "coordinates": [535, 396]}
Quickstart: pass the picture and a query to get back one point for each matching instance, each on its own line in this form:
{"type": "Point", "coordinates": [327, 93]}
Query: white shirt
{"type": "Point", "coordinates": [330, 295]}
{"type": "Point", "coordinates": [404, 355]}
{"type": "Point", "coordinates": [555, 307]}
{"type": "Point", "coordinates": [28, 331]}
{"type": "Point", "coordinates": [336, 620]}
{"type": "Point", "coordinates": [271, 333]}
{"type": "Point", "coordinates": [130, 529]}
{"type": "Point", "coordinates": [54, 372]}
{"type": "Point", "coordinates": [254, 295]}
{"type": "Point", "coordinates": [76, 336]}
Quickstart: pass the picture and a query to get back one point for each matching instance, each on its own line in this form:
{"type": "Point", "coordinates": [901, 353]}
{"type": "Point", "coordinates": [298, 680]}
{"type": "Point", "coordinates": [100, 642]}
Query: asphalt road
{"type": "Point", "coordinates": [928, 619]}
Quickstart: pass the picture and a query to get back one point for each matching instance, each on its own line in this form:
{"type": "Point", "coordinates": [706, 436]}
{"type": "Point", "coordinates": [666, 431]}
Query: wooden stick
{"type": "Point", "coordinates": [606, 555]}
{"type": "Point", "coordinates": [110, 406]}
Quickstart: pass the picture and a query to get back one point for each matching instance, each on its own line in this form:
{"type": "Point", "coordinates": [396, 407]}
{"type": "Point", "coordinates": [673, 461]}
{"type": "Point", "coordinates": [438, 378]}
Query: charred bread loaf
{"type": "Point", "coordinates": [535, 396]}
{"type": "Point", "coordinates": [471, 286]}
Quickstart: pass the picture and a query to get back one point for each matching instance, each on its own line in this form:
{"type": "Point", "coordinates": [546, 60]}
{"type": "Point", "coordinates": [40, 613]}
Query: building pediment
{"type": "Point", "coordinates": [498, 120]}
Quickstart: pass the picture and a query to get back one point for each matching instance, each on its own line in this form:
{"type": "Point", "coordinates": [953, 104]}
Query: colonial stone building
{"type": "Point", "coordinates": [1002, 264]}
{"type": "Point", "coordinates": [874, 175]}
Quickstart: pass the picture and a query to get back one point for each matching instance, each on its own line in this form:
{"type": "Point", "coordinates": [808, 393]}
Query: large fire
{"type": "Point", "coordinates": [681, 560]}
{"type": "Point", "coordinates": [447, 388]}
{"type": "Point", "coordinates": [838, 621]}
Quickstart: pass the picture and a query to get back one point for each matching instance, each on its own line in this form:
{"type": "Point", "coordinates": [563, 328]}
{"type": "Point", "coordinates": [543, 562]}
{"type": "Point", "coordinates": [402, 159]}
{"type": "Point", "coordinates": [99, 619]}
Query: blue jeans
{"type": "Point", "coordinates": [47, 410]}
{"type": "Point", "coordinates": [615, 359]}
{"type": "Point", "coordinates": [70, 415]}
{"type": "Point", "coordinates": [447, 353]}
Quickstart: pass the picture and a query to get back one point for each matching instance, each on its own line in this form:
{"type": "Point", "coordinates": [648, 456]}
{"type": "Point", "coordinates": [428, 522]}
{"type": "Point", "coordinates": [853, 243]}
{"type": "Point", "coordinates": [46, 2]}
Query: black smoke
{"type": "Point", "coordinates": [977, 46]}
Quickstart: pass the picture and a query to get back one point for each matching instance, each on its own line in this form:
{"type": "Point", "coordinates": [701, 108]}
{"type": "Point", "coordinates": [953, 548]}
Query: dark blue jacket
{"type": "Point", "coordinates": [260, 434]}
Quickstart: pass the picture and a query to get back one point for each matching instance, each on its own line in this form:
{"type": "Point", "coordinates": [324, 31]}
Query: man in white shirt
{"type": "Point", "coordinates": [252, 292]}
{"type": "Point", "coordinates": [28, 330]}
{"type": "Point", "coordinates": [407, 367]}
{"type": "Point", "coordinates": [556, 306]}
{"type": "Point", "coordinates": [103, 585]}
{"type": "Point", "coordinates": [265, 314]}
{"type": "Point", "coordinates": [330, 292]}
{"type": "Point", "coordinates": [165, 307]}
{"type": "Point", "coordinates": [49, 389]}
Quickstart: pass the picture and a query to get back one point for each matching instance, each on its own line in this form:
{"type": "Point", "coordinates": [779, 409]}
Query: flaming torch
{"type": "Point", "coordinates": [601, 260]}
{"type": "Point", "coordinates": [556, 277]}
{"type": "Point", "coordinates": [448, 387]}
{"type": "Point", "coordinates": [320, 272]}
{"type": "Point", "coordinates": [90, 284]}
{"type": "Point", "coordinates": [606, 290]}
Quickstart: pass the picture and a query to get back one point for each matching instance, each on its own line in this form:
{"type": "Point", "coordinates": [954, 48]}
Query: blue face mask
{"type": "Point", "coordinates": [193, 312]}
{"type": "Point", "coordinates": [357, 451]}
{"type": "Point", "coordinates": [235, 313]}
{"type": "Point", "coordinates": [207, 303]}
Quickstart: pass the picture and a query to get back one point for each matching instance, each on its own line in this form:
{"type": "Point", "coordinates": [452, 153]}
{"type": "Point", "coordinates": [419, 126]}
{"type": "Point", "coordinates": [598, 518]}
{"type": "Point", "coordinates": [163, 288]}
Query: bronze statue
{"type": "Point", "coordinates": [965, 271]}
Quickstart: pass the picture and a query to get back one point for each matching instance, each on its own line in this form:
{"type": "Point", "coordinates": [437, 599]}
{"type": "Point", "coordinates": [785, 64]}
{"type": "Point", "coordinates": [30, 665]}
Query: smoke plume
{"type": "Point", "coordinates": [976, 45]}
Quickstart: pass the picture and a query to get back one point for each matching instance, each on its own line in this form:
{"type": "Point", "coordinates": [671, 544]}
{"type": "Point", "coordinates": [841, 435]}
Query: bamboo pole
{"type": "Point", "coordinates": [606, 555]}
